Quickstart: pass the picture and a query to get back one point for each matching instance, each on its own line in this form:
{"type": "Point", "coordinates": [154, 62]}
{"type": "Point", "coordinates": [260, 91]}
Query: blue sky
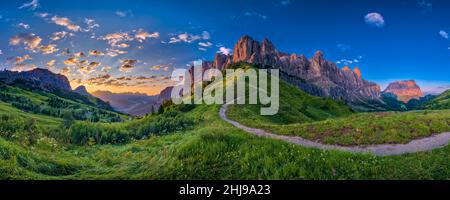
{"type": "Point", "coordinates": [387, 39]}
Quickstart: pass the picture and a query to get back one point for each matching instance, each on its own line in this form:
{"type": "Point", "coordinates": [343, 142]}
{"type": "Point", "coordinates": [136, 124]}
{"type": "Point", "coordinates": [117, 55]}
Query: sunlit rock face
{"type": "Point", "coordinates": [315, 75]}
{"type": "Point", "coordinates": [405, 90]}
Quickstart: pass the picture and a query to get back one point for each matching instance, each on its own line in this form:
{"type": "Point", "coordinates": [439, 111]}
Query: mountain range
{"type": "Point", "coordinates": [130, 103]}
{"type": "Point", "coordinates": [44, 80]}
{"type": "Point", "coordinates": [316, 75]}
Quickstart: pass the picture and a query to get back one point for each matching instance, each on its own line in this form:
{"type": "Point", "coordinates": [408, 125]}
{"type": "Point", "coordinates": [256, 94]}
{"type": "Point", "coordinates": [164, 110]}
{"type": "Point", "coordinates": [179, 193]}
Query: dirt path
{"type": "Point", "coordinates": [424, 144]}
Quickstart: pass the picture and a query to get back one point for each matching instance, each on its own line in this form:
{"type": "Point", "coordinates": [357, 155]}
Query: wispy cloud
{"type": "Point", "coordinates": [60, 35]}
{"type": "Point", "coordinates": [33, 5]}
{"type": "Point", "coordinates": [142, 35]}
{"type": "Point", "coordinates": [225, 51]}
{"type": "Point", "coordinates": [124, 13]}
{"type": "Point", "coordinates": [205, 44]}
{"type": "Point", "coordinates": [91, 24]}
{"type": "Point", "coordinates": [375, 19]}
{"type": "Point", "coordinates": [344, 47]}
{"type": "Point", "coordinates": [127, 65]}
{"type": "Point", "coordinates": [189, 38]}
{"type": "Point", "coordinates": [23, 25]}
{"type": "Point", "coordinates": [30, 41]}
{"type": "Point", "coordinates": [443, 34]}
{"type": "Point", "coordinates": [66, 22]}
{"type": "Point", "coordinates": [350, 61]}
{"type": "Point", "coordinates": [255, 14]}
{"type": "Point", "coordinates": [285, 2]}
{"type": "Point", "coordinates": [425, 6]}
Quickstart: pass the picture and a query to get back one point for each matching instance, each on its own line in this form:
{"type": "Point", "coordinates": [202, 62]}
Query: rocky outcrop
{"type": "Point", "coordinates": [316, 75]}
{"type": "Point", "coordinates": [82, 90]}
{"type": "Point", "coordinates": [37, 78]}
{"type": "Point", "coordinates": [404, 90]}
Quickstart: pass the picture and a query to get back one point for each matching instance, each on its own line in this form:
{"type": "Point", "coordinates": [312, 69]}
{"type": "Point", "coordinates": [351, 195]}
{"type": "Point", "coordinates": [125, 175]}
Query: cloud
{"type": "Point", "coordinates": [255, 14]}
{"type": "Point", "coordinates": [1, 52]}
{"type": "Point", "coordinates": [60, 35]}
{"type": "Point", "coordinates": [30, 41]}
{"type": "Point", "coordinates": [156, 68]}
{"type": "Point", "coordinates": [285, 2]}
{"type": "Point", "coordinates": [106, 69]}
{"type": "Point", "coordinates": [206, 35]}
{"type": "Point", "coordinates": [48, 49]}
{"type": "Point", "coordinates": [23, 25]}
{"type": "Point", "coordinates": [80, 55]}
{"type": "Point", "coordinates": [350, 61]}
{"type": "Point", "coordinates": [33, 5]}
{"type": "Point", "coordinates": [23, 67]}
{"type": "Point", "coordinates": [19, 59]}
{"type": "Point", "coordinates": [88, 67]}
{"type": "Point", "coordinates": [375, 19]}
{"type": "Point", "coordinates": [189, 38]}
{"type": "Point", "coordinates": [425, 6]}
{"type": "Point", "coordinates": [205, 44]}
{"type": "Point", "coordinates": [443, 34]}
{"type": "Point", "coordinates": [115, 52]}
{"type": "Point", "coordinates": [123, 45]}
{"type": "Point", "coordinates": [127, 65]}
{"type": "Point", "coordinates": [42, 15]}
{"type": "Point", "coordinates": [65, 71]}
{"type": "Point", "coordinates": [71, 61]}
{"type": "Point", "coordinates": [90, 25]}
{"type": "Point", "coordinates": [96, 53]}
{"type": "Point", "coordinates": [124, 13]}
{"type": "Point", "coordinates": [343, 47]}
{"type": "Point", "coordinates": [141, 35]}
{"type": "Point", "coordinates": [225, 51]}
{"type": "Point", "coordinates": [114, 39]}
{"type": "Point", "coordinates": [66, 22]}
{"type": "Point", "coordinates": [94, 64]}
{"type": "Point", "coordinates": [50, 64]}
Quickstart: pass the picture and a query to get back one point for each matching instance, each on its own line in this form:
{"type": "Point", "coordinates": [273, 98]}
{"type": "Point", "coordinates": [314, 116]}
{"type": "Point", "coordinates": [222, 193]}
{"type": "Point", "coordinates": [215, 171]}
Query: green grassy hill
{"type": "Point", "coordinates": [437, 103]}
{"type": "Point", "coordinates": [296, 106]}
{"type": "Point", "coordinates": [67, 105]}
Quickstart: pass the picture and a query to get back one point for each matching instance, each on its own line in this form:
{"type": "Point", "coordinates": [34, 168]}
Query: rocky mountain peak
{"type": "Point", "coordinates": [405, 90]}
{"type": "Point", "coordinates": [246, 50]}
{"type": "Point", "coordinates": [318, 55]}
{"type": "Point", "coordinates": [318, 76]}
{"type": "Point", "coordinates": [357, 71]}
{"type": "Point", "coordinates": [267, 46]}
{"type": "Point", "coordinates": [346, 69]}
{"type": "Point", "coordinates": [37, 78]}
{"type": "Point", "coordinates": [82, 90]}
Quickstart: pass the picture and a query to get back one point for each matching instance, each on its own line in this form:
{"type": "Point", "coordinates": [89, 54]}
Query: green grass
{"type": "Point", "coordinates": [39, 102]}
{"type": "Point", "coordinates": [296, 106]}
{"type": "Point", "coordinates": [370, 128]}
{"type": "Point", "coordinates": [213, 150]}
{"type": "Point", "coordinates": [331, 122]}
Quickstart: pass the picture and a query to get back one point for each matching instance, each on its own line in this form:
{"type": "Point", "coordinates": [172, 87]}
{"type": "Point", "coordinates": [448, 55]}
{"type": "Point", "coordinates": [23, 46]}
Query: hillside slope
{"type": "Point", "coordinates": [439, 102]}
{"type": "Point", "coordinates": [296, 106]}
{"type": "Point", "coordinates": [67, 105]}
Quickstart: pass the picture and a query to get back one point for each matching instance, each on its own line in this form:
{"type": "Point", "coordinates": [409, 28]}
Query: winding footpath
{"type": "Point", "coordinates": [419, 145]}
